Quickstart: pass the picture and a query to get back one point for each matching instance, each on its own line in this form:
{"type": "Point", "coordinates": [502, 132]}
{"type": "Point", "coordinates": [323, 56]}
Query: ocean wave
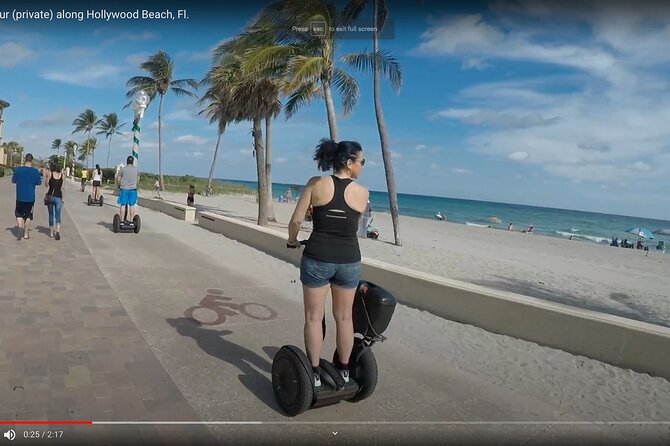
{"type": "Point", "coordinates": [574, 229]}
{"type": "Point", "coordinates": [593, 238]}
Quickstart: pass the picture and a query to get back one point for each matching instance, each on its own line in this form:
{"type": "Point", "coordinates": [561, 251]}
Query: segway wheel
{"type": "Point", "coordinates": [116, 223]}
{"type": "Point", "coordinates": [101, 200]}
{"type": "Point", "coordinates": [364, 372]}
{"type": "Point", "coordinates": [137, 222]}
{"type": "Point", "coordinates": [90, 200]}
{"type": "Point", "coordinates": [292, 385]}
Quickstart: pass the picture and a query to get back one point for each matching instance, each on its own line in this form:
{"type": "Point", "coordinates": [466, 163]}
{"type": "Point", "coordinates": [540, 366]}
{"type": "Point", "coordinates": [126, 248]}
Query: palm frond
{"type": "Point", "coordinates": [304, 69]}
{"type": "Point", "coordinates": [348, 89]}
{"type": "Point", "coordinates": [301, 97]}
{"type": "Point", "coordinates": [388, 66]}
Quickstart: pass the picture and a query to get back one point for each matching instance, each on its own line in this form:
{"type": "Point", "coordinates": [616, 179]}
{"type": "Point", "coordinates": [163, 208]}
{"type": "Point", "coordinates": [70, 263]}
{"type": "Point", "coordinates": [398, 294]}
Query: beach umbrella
{"type": "Point", "coordinates": [641, 232]}
{"type": "Point", "coordinates": [662, 231]}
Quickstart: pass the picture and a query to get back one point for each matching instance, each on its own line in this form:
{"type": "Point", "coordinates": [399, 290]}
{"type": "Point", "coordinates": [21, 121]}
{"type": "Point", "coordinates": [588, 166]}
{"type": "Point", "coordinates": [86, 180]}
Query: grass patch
{"type": "Point", "coordinates": [181, 184]}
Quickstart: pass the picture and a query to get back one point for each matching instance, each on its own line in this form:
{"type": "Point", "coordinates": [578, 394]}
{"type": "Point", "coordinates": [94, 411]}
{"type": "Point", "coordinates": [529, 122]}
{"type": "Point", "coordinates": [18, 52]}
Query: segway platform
{"type": "Point", "coordinates": [98, 202]}
{"type": "Point", "coordinates": [292, 373]}
{"type": "Point", "coordinates": [126, 226]}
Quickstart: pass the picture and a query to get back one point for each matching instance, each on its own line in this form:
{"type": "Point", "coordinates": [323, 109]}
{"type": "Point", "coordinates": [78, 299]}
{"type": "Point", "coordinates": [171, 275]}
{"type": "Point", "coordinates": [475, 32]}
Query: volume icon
{"type": "Point", "coordinates": [10, 435]}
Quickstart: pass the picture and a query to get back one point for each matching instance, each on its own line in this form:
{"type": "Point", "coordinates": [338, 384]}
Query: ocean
{"type": "Point", "coordinates": [586, 226]}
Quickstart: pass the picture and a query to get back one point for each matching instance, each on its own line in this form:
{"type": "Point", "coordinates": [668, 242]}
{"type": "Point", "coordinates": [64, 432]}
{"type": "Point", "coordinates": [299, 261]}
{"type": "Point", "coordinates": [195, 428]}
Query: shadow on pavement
{"type": "Point", "coordinates": [107, 225]}
{"type": "Point", "coordinates": [16, 232]}
{"type": "Point", "coordinates": [214, 343]}
{"type": "Point", "coordinates": [42, 230]}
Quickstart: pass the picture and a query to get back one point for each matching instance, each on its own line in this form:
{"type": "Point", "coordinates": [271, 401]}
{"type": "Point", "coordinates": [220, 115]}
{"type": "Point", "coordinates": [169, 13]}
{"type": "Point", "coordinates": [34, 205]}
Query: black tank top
{"type": "Point", "coordinates": [56, 187]}
{"type": "Point", "coordinates": [334, 239]}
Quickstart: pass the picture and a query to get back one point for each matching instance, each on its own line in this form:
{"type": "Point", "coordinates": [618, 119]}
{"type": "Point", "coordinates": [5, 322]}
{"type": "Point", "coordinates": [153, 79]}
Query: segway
{"type": "Point", "coordinates": [91, 200]}
{"type": "Point", "coordinates": [125, 225]}
{"type": "Point", "coordinates": [292, 374]}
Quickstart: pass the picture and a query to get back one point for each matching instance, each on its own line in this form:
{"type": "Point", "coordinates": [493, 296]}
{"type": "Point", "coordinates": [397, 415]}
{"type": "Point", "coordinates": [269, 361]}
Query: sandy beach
{"type": "Point", "coordinates": [622, 282]}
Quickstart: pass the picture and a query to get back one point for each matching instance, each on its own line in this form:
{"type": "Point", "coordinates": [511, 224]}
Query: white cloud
{"type": "Point", "coordinates": [190, 139]}
{"type": "Point", "coordinates": [461, 171]}
{"type": "Point", "coordinates": [197, 154]}
{"type": "Point", "coordinates": [247, 152]}
{"type": "Point", "coordinates": [475, 63]}
{"type": "Point", "coordinates": [518, 156]}
{"type": "Point", "coordinates": [396, 155]}
{"type": "Point", "coordinates": [154, 125]}
{"type": "Point", "coordinates": [128, 36]}
{"type": "Point", "coordinates": [420, 147]}
{"type": "Point", "coordinates": [281, 160]}
{"type": "Point", "coordinates": [12, 54]}
{"type": "Point", "coordinates": [602, 119]}
{"type": "Point", "coordinates": [90, 76]}
{"type": "Point", "coordinates": [434, 166]}
{"type": "Point", "coordinates": [137, 59]}
{"type": "Point", "coordinates": [495, 118]}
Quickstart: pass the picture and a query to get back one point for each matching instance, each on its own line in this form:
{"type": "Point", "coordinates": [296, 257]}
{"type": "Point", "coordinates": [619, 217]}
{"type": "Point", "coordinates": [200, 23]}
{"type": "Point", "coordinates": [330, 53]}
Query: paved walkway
{"type": "Point", "coordinates": [94, 327]}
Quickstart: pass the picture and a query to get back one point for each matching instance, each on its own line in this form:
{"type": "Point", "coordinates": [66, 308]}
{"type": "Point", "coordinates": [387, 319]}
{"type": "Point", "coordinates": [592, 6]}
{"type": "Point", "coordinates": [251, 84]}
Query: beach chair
{"type": "Point", "coordinates": [661, 246]}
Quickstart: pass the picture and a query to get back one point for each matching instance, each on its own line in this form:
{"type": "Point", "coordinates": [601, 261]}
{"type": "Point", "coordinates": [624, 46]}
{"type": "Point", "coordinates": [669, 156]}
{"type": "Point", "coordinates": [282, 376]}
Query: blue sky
{"type": "Point", "coordinates": [521, 102]}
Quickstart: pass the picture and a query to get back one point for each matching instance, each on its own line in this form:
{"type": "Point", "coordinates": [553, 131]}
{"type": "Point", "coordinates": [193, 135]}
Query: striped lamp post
{"type": "Point", "coordinates": [140, 102]}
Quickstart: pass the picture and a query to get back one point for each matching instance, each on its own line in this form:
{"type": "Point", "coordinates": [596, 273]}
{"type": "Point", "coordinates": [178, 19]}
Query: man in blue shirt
{"type": "Point", "coordinates": [26, 179]}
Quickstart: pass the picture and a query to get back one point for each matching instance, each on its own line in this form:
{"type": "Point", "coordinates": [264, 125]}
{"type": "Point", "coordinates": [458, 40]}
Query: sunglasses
{"type": "Point", "coordinates": [362, 161]}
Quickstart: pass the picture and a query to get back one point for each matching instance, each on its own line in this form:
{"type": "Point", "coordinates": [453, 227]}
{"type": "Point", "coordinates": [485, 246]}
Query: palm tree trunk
{"type": "Point", "coordinates": [216, 153]}
{"type": "Point", "coordinates": [260, 171]}
{"type": "Point", "coordinates": [330, 109]}
{"type": "Point", "coordinates": [383, 134]}
{"type": "Point", "coordinates": [109, 149]}
{"type": "Point", "coordinates": [268, 168]}
{"type": "Point", "coordinates": [160, 163]}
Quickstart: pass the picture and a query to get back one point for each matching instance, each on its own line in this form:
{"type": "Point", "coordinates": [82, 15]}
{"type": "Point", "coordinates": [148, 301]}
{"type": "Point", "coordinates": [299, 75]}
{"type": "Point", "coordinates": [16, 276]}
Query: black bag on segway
{"type": "Point", "coordinates": [373, 310]}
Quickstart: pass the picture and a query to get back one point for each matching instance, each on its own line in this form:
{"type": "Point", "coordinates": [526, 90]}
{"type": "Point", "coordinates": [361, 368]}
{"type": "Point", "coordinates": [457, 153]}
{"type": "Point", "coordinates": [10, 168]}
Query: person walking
{"type": "Point", "coordinates": [26, 178]}
{"type": "Point", "coordinates": [55, 203]}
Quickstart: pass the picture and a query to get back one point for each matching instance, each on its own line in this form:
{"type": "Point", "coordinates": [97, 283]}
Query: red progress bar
{"type": "Point", "coordinates": [46, 422]}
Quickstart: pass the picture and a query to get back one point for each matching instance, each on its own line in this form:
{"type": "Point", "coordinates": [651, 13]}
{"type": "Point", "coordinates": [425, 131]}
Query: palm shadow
{"type": "Point", "coordinates": [214, 343]}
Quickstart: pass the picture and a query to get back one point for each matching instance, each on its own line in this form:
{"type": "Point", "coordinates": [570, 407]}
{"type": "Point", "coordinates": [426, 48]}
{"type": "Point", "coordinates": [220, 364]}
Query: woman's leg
{"type": "Point", "coordinates": [58, 206]}
{"type": "Point", "coordinates": [315, 307]}
{"type": "Point", "coordinates": [343, 304]}
{"type": "Point", "coordinates": [51, 210]}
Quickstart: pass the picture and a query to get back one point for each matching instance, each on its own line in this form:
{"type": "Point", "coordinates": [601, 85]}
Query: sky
{"type": "Point", "coordinates": [558, 104]}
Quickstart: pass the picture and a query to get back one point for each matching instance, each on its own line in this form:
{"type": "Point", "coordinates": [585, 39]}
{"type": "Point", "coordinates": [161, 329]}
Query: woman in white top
{"type": "Point", "coordinates": [97, 181]}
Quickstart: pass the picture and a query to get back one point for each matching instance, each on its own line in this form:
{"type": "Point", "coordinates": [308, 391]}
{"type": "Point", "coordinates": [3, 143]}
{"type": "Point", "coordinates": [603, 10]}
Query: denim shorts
{"type": "Point", "coordinates": [315, 273]}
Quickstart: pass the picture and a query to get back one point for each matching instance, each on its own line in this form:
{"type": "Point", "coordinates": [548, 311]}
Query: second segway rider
{"type": "Point", "coordinates": [97, 182]}
{"type": "Point", "coordinates": [332, 259]}
{"type": "Point", "coordinates": [126, 180]}
{"type": "Point", "coordinates": [84, 177]}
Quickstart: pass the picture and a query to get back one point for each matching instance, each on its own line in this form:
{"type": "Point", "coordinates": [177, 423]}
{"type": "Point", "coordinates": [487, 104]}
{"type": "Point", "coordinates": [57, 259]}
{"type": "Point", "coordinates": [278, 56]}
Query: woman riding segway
{"type": "Point", "coordinates": [331, 260]}
{"type": "Point", "coordinates": [97, 181]}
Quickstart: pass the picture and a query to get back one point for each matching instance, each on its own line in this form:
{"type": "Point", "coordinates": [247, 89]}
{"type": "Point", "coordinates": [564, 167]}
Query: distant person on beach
{"type": "Point", "coordinates": [190, 199]}
{"type": "Point", "coordinates": [26, 178]}
{"type": "Point", "coordinates": [55, 191]}
{"type": "Point", "coordinates": [157, 189]}
{"type": "Point", "coordinates": [332, 258]}
{"type": "Point", "coordinates": [510, 227]}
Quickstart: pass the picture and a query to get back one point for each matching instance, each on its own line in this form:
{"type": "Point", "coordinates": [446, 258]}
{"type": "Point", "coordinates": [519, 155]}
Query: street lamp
{"type": "Point", "coordinates": [3, 106]}
{"type": "Point", "coordinates": [140, 102]}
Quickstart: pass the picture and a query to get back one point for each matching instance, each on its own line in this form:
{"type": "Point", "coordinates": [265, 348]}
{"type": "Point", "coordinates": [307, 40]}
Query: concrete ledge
{"type": "Point", "coordinates": [171, 208]}
{"type": "Point", "coordinates": [615, 340]}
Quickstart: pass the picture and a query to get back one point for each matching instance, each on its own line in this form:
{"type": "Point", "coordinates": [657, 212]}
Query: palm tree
{"type": "Point", "coordinates": [56, 145]}
{"type": "Point", "coordinates": [161, 70]}
{"type": "Point", "coordinates": [12, 147]}
{"type": "Point", "coordinates": [306, 62]}
{"type": "Point", "coordinates": [378, 62]}
{"type": "Point", "coordinates": [87, 149]}
{"type": "Point", "coordinates": [85, 123]}
{"type": "Point", "coordinates": [109, 125]}
{"type": "Point", "coordinates": [219, 107]}
{"type": "Point", "coordinates": [69, 148]}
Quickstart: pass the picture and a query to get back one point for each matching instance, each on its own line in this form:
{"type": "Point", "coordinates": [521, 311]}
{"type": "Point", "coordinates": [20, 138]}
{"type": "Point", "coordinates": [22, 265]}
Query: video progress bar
{"type": "Point", "coordinates": [341, 423]}
{"type": "Point", "coordinates": [344, 423]}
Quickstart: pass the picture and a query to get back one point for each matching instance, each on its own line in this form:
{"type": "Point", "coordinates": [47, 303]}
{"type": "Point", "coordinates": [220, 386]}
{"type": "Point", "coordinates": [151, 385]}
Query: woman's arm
{"type": "Point", "coordinates": [300, 211]}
